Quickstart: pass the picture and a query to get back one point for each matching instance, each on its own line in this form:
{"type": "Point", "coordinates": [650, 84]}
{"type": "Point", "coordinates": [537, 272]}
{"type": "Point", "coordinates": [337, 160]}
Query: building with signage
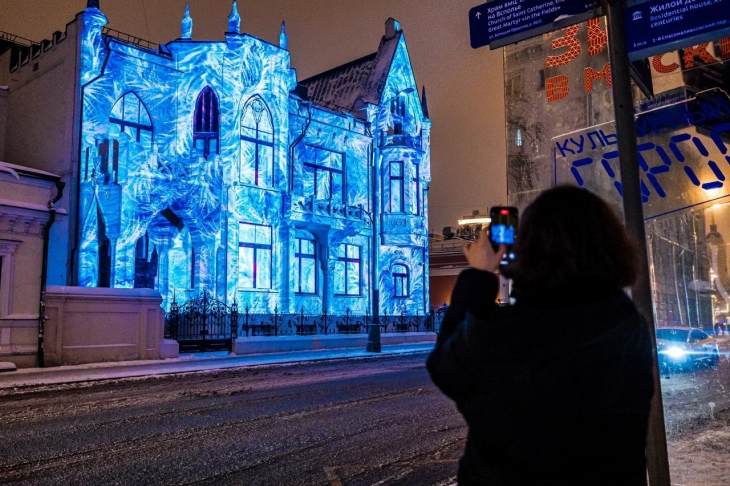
{"type": "Point", "coordinates": [561, 130]}
{"type": "Point", "coordinates": [207, 165]}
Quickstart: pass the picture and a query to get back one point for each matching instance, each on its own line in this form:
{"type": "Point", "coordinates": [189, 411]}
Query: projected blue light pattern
{"type": "Point", "coordinates": [201, 169]}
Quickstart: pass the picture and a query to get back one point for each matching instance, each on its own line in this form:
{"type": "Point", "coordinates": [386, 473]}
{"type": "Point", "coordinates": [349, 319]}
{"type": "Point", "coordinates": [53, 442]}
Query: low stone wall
{"type": "Point", "coordinates": [279, 344]}
{"type": "Point", "coordinates": [87, 325]}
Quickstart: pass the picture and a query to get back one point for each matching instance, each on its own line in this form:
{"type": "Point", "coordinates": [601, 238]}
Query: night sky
{"type": "Point", "coordinates": [465, 87]}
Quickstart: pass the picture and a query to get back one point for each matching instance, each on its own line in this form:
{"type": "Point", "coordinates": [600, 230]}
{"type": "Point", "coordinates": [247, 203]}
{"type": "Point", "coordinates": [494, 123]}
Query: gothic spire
{"type": "Point", "coordinates": [283, 38]}
{"type": "Point", "coordinates": [186, 24]}
{"type": "Point", "coordinates": [234, 19]}
{"type": "Point", "coordinates": [424, 101]}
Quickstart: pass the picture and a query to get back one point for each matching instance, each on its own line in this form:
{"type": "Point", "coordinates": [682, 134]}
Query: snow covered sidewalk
{"type": "Point", "coordinates": [188, 363]}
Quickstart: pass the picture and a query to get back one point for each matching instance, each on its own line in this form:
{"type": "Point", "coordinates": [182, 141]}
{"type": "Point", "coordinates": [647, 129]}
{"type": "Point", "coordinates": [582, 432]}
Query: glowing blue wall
{"type": "Point", "coordinates": [168, 211]}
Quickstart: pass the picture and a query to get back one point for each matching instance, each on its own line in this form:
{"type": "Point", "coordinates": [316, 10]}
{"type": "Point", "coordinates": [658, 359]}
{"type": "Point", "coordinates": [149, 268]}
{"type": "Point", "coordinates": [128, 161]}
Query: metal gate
{"type": "Point", "coordinates": [202, 324]}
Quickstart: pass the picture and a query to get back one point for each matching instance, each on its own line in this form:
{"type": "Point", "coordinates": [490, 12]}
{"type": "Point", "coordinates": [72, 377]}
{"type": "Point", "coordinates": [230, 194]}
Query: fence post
{"type": "Point", "coordinates": [276, 320]}
{"type": "Point", "coordinates": [174, 310]}
{"type": "Point", "coordinates": [234, 324]}
{"type": "Point", "coordinates": [245, 319]}
{"type": "Point", "coordinates": [324, 319]}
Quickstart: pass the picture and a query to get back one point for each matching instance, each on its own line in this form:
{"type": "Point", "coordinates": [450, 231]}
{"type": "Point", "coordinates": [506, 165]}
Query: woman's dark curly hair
{"type": "Point", "coordinates": [570, 238]}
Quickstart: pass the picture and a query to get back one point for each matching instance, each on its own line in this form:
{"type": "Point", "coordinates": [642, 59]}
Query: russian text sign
{"type": "Point", "coordinates": [502, 22]}
{"type": "Point", "coordinates": [683, 155]}
{"type": "Point", "coordinates": [657, 26]}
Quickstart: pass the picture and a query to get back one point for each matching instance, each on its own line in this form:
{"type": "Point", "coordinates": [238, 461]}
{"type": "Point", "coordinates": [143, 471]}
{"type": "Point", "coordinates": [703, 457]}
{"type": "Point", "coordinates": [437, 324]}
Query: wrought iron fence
{"type": "Point", "coordinates": [206, 323]}
{"type": "Point", "coordinates": [202, 323]}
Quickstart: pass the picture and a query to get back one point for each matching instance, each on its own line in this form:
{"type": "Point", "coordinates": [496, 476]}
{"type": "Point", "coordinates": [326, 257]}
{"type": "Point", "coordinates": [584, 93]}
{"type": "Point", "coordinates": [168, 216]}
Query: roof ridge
{"type": "Point", "coordinates": [339, 67]}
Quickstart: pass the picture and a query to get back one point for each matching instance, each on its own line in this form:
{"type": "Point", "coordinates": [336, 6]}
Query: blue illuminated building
{"type": "Point", "coordinates": [208, 165]}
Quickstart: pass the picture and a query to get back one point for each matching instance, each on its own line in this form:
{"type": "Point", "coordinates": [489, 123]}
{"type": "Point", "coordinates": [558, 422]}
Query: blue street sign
{"type": "Point", "coordinates": [502, 22]}
{"type": "Point", "coordinates": [656, 26]}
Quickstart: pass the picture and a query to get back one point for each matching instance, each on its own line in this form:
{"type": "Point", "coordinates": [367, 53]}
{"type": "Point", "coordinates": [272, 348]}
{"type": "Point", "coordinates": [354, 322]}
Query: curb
{"type": "Point", "coordinates": [28, 380]}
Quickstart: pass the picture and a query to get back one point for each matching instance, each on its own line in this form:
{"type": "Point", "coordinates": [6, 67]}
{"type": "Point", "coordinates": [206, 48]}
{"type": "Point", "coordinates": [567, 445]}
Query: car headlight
{"type": "Point", "coordinates": [675, 352]}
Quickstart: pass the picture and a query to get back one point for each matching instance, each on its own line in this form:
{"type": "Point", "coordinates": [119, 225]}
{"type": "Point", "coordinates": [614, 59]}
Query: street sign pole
{"type": "Point", "coordinates": [656, 448]}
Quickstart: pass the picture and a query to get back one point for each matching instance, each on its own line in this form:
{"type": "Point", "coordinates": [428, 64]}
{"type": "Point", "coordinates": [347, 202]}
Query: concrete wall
{"type": "Point", "coordinates": [88, 325]}
{"type": "Point", "coordinates": [24, 195]}
{"type": "Point", "coordinates": [40, 128]}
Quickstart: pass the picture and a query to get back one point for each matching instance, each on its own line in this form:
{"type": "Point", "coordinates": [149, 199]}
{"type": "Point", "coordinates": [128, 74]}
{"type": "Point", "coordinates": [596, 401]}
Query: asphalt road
{"type": "Point", "coordinates": [374, 421]}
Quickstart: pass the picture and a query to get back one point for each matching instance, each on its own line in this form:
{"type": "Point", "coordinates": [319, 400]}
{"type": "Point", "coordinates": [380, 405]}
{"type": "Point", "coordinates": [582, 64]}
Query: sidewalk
{"type": "Point", "coordinates": [26, 377]}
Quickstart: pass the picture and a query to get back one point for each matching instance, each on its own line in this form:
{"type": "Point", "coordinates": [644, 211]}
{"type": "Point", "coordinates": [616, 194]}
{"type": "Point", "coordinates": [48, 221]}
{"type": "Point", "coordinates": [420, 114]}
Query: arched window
{"type": "Point", "coordinates": [257, 144]}
{"type": "Point", "coordinates": [400, 280]}
{"type": "Point", "coordinates": [205, 123]}
{"type": "Point", "coordinates": [130, 114]}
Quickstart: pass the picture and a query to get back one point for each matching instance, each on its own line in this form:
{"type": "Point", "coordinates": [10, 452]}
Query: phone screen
{"type": "Point", "coordinates": [503, 234]}
{"type": "Point", "coordinates": [503, 230]}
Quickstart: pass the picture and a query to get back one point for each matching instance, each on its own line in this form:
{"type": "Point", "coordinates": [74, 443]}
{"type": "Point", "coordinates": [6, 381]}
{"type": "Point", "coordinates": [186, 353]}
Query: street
{"type": "Point", "coordinates": [361, 421]}
{"type": "Point", "coordinates": [355, 422]}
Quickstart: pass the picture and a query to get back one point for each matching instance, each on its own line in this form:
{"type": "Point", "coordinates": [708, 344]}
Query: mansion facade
{"type": "Point", "coordinates": [207, 165]}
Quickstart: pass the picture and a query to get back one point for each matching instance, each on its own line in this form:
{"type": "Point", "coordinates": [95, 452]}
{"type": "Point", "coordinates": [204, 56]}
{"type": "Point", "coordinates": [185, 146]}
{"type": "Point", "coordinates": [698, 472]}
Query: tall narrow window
{"type": "Point", "coordinates": [400, 280]}
{"type": "Point", "coordinates": [205, 123]}
{"type": "Point", "coordinates": [257, 144]}
{"type": "Point", "coordinates": [398, 111]}
{"type": "Point", "coordinates": [397, 199]}
{"type": "Point", "coordinates": [348, 270]}
{"type": "Point", "coordinates": [131, 116]}
{"type": "Point", "coordinates": [305, 266]}
{"type": "Point", "coordinates": [323, 175]}
{"type": "Point", "coordinates": [416, 189]}
{"type": "Point", "coordinates": [254, 256]}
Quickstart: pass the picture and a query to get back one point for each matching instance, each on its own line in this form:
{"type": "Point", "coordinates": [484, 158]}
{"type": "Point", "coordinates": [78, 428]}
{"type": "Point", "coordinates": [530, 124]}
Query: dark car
{"type": "Point", "coordinates": [685, 348]}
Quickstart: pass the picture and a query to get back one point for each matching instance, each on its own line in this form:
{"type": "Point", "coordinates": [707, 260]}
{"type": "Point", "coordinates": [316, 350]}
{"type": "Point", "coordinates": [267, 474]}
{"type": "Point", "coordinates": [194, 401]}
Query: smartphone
{"type": "Point", "coordinates": [503, 230]}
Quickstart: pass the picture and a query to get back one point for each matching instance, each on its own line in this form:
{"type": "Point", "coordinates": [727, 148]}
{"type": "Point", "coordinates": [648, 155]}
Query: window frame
{"type": "Point", "coordinates": [401, 184]}
{"type": "Point", "coordinates": [345, 260]}
{"type": "Point", "coordinates": [417, 183]}
{"type": "Point", "coordinates": [138, 127]}
{"type": "Point", "coordinates": [330, 171]}
{"type": "Point", "coordinates": [405, 278]}
{"type": "Point", "coordinates": [213, 121]}
{"type": "Point", "coordinates": [256, 247]}
{"type": "Point", "coordinates": [299, 256]}
{"type": "Point", "coordinates": [257, 141]}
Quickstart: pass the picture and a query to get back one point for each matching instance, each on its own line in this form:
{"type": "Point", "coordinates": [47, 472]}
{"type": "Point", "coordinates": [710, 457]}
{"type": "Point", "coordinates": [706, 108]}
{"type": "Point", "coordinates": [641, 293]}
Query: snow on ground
{"type": "Point", "coordinates": [701, 456]}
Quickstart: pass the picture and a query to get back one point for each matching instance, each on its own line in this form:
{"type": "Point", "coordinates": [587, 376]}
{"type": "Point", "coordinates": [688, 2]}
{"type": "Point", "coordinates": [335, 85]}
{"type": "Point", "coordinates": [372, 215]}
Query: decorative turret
{"type": "Point", "coordinates": [186, 24]}
{"type": "Point", "coordinates": [392, 27]}
{"type": "Point", "coordinates": [93, 4]}
{"type": "Point", "coordinates": [424, 102]}
{"type": "Point", "coordinates": [283, 38]}
{"type": "Point", "coordinates": [234, 19]}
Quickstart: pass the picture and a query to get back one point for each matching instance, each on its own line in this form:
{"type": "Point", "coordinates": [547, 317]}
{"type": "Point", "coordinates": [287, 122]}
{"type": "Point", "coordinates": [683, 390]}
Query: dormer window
{"type": "Point", "coordinates": [398, 111]}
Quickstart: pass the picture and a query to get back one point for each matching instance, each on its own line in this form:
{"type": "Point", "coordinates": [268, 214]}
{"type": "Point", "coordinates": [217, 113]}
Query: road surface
{"type": "Point", "coordinates": [354, 422]}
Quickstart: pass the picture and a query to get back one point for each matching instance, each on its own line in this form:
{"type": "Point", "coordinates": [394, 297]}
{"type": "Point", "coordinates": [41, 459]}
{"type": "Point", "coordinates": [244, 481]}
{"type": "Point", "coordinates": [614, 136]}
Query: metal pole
{"type": "Point", "coordinates": [623, 103]}
{"type": "Point", "coordinates": [373, 344]}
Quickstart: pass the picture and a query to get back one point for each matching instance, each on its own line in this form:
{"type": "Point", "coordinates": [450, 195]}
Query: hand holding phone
{"type": "Point", "coordinates": [480, 254]}
{"type": "Point", "coordinates": [503, 230]}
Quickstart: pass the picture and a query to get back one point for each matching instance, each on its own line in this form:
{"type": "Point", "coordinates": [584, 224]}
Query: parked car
{"type": "Point", "coordinates": [685, 348]}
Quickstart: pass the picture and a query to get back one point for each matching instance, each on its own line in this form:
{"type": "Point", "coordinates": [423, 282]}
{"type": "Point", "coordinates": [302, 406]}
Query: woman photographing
{"type": "Point", "coordinates": [556, 388]}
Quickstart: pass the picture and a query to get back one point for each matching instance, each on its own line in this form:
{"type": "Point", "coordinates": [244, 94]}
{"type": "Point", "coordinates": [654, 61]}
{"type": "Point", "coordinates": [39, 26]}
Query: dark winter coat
{"type": "Point", "coordinates": [555, 389]}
